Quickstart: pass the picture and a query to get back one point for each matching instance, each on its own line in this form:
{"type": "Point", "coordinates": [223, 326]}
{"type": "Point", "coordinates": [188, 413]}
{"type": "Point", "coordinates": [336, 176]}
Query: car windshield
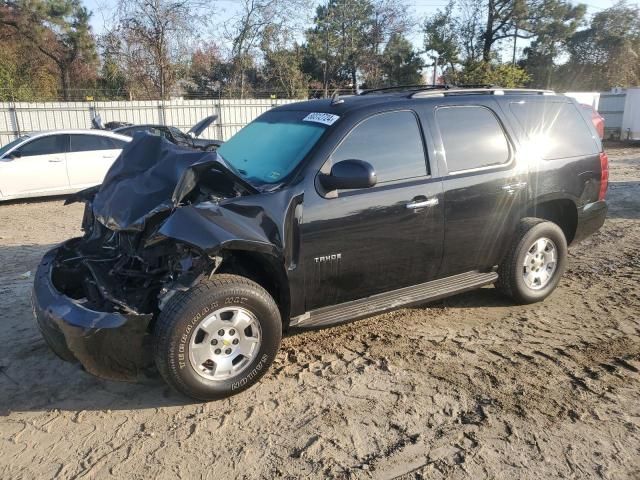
{"type": "Point", "coordinates": [270, 147]}
{"type": "Point", "coordinates": [10, 145]}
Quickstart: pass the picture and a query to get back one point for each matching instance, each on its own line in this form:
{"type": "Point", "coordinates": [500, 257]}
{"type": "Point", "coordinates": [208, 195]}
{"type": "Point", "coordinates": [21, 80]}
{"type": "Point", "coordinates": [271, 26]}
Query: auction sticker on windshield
{"type": "Point", "coordinates": [326, 118]}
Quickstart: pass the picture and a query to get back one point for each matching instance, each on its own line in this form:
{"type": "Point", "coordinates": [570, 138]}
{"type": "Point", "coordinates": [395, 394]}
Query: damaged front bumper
{"type": "Point", "coordinates": [110, 345]}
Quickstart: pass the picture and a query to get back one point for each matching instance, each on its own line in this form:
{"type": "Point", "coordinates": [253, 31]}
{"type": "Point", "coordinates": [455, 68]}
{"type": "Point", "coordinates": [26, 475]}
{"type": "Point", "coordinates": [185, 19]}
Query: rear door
{"type": "Point", "coordinates": [372, 240]}
{"type": "Point", "coordinates": [484, 186]}
{"type": "Point", "coordinates": [89, 158]}
{"type": "Point", "coordinates": [37, 166]}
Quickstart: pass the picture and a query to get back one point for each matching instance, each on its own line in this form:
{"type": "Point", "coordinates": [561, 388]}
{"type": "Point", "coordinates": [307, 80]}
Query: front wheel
{"type": "Point", "coordinates": [535, 262]}
{"type": "Point", "coordinates": [218, 338]}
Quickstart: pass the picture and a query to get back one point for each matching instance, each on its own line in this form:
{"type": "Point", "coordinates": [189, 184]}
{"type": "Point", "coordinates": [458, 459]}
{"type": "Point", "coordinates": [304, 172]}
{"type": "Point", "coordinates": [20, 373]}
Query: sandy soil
{"type": "Point", "coordinates": [470, 387]}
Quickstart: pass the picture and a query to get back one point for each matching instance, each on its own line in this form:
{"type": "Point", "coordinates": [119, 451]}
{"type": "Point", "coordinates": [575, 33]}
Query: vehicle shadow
{"type": "Point", "coordinates": [19, 201]}
{"type": "Point", "coordinates": [487, 297]}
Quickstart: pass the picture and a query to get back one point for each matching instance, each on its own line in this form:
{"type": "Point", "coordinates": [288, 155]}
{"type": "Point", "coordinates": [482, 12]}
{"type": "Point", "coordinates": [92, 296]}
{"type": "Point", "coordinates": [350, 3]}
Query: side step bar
{"type": "Point", "coordinates": [403, 297]}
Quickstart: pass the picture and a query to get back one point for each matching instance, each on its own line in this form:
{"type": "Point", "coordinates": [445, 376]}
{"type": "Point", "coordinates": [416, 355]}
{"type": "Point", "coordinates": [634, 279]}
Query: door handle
{"type": "Point", "coordinates": [513, 187]}
{"type": "Point", "coordinates": [55, 160]}
{"type": "Point", "coordinates": [431, 202]}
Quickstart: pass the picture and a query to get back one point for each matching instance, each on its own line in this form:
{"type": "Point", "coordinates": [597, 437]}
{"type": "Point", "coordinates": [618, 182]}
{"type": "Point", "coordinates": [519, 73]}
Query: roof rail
{"type": "Point", "coordinates": [414, 88]}
{"type": "Point", "coordinates": [446, 89]}
{"type": "Point", "coordinates": [480, 91]}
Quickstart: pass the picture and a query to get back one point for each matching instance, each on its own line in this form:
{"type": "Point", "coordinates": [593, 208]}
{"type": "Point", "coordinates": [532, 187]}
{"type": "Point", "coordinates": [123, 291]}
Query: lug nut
{"type": "Point", "coordinates": [235, 341]}
{"type": "Point", "coordinates": [221, 332]}
{"type": "Point", "coordinates": [227, 351]}
{"type": "Point", "coordinates": [214, 342]}
{"type": "Point", "coordinates": [217, 351]}
{"type": "Point", "coordinates": [232, 332]}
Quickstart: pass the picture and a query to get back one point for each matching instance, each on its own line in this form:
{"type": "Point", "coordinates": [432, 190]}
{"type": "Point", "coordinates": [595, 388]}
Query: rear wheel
{"type": "Point", "coordinates": [218, 338]}
{"type": "Point", "coordinates": [535, 262]}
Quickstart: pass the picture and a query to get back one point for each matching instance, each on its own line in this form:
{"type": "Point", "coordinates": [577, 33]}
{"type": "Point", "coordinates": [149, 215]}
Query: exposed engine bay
{"type": "Point", "coordinates": [124, 263]}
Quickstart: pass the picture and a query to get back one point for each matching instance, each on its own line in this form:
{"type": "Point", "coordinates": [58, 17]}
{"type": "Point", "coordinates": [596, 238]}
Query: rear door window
{"type": "Point", "coordinates": [555, 129]}
{"type": "Point", "coordinates": [87, 143]}
{"type": "Point", "coordinates": [391, 142]}
{"type": "Point", "coordinates": [472, 138]}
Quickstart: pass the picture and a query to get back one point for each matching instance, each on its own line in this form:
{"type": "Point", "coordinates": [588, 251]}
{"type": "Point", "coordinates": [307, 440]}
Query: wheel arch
{"type": "Point", "coordinates": [265, 269]}
{"type": "Point", "coordinates": [560, 210]}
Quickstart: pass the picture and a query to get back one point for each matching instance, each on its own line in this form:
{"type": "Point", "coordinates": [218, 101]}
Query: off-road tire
{"type": "Point", "coordinates": [510, 272]}
{"type": "Point", "coordinates": [184, 311]}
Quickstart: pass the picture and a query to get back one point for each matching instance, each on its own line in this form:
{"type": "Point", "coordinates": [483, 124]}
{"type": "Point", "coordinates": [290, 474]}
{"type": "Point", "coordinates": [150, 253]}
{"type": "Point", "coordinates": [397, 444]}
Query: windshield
{"type": "Point", "coordinates": [270, 147]}
{"type": "Point", "coordinates": [12, 144]}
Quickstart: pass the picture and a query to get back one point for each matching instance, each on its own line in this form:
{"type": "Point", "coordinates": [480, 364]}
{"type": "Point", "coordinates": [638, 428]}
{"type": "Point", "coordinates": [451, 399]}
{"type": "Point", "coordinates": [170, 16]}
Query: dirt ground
{"type": "Point", "coordinates": [470, 387]}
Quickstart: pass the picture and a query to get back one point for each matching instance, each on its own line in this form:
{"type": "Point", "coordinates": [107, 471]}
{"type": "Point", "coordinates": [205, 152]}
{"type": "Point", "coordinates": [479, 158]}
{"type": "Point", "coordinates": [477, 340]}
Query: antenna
{"type": "Point", "coordinates": [335, 98]}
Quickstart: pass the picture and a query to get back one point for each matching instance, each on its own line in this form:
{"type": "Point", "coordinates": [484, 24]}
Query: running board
{"type": "Point", "coordinates": [403, 297]}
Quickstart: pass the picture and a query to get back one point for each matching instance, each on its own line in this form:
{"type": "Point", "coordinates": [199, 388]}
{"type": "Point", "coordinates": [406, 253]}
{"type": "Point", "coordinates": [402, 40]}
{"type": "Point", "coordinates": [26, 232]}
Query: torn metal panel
{"type": "Point", "coordinates": [152, 176]}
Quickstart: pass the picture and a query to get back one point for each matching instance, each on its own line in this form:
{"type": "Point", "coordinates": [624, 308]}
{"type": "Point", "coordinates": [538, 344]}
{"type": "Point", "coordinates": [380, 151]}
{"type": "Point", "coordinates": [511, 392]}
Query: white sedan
{"type": "Point", "coordinates": [57, 162]}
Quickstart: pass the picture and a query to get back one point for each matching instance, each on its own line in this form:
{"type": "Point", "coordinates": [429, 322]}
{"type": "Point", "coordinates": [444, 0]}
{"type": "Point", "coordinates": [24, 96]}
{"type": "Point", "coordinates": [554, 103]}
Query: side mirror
{"type": "Point", "coordinates": [349, 174]}
{"type": "Point", "coordinates": [14, 154]}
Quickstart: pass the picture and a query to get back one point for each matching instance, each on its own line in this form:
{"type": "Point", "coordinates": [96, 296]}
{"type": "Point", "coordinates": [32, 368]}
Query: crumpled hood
{"type": "Point", "coordinates": [153, 175]}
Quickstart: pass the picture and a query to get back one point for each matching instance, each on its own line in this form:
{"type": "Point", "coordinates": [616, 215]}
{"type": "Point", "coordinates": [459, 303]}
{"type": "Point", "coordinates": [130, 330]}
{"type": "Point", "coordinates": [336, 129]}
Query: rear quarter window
{"type": "Point", "coordinates": [555, 129]}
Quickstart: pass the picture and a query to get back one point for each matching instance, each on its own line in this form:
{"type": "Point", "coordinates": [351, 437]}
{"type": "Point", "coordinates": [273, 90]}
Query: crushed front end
{"type": "Point", "coordinates": [95, 297]}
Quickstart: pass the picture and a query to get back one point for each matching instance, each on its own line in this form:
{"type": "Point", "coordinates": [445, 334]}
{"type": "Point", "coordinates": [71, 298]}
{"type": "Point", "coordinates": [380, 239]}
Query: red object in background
{"type": "Point", "coordinates": [596, 118]}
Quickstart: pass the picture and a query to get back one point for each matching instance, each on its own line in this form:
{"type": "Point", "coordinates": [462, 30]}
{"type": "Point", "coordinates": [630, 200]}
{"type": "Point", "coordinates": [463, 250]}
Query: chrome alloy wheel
{"type": "Point", "coordinates": [540, 263]}
{"type": "Point", "coordinates": [224, 342]}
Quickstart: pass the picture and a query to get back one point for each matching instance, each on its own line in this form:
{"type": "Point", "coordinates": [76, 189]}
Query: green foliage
{"type": "Point", "coordinates": [48, 47]}
{"type": "Point", "coordinates": [22, 81]}
{"type": "Point", "coordinates": [441, 34]}
{"type": "Point", "coordinates": [57, 29]}
{"type": "Point", "coordinates": [466, 32]}
{"type": "Point", "coordinates": [554, 24]}
{"type": "Point", "coordinates": [503, 75]}
{"type": "Point", "coordinates": [282, 71]}
{"type": "Point", "coordinates": [401, 64]}
{"type": "Point", "coordinates": [354, 42]}
{"type": "Point", "coordinates": [113, 78]}
{"type": "Point", "coordinates": [339, 39]}
{"type": "Point", "coordinates": [607, 53]}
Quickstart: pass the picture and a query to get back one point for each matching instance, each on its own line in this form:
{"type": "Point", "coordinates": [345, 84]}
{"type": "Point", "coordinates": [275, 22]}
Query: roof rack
{"type": "Point", "coordinates": [479, 91]}
{"type": "Point", "coordinates": [446, 89]}
{"type": "Point", "coordinates": [413, 88]}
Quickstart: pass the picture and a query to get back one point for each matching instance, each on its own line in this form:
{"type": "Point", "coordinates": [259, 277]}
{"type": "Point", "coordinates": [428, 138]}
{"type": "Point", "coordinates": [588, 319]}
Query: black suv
{"type": "Point", "coordinates": [316, 213]}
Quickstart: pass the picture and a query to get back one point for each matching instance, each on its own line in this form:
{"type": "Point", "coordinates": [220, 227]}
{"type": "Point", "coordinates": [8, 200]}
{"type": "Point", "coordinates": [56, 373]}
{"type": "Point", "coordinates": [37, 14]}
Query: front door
{"type": "Point", "coordinates": [37, 166]}
{"type": "Point", "coordinates": [377, 239]}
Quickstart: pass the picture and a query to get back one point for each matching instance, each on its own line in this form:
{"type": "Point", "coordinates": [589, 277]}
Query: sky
{"type": "Point", "coordinates": [225, 9]}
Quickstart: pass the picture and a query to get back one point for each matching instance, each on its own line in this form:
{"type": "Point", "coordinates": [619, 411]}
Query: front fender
{"type": "Point", "coordinates": [211, 228]}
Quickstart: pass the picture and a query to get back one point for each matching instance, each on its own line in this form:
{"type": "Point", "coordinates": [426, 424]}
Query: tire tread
{"type": "Point", "coordinates": [509, 281]}
{"type": "Point", "coordinates": [507, 267]}
{"type": "Point", "coordinates": [179, 305]}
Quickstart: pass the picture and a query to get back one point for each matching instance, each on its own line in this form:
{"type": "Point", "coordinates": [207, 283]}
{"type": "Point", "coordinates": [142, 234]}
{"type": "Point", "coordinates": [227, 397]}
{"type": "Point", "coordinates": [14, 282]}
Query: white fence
{"type": "Point", "coordinates": [20, 117]}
